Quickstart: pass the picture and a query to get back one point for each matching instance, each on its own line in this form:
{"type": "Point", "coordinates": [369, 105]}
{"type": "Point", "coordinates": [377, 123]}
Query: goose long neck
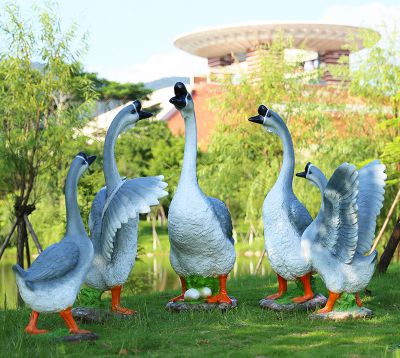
{"type": "Point", "coordinates": [285, 178]}
{"type": "Point", "coordinates": [189, 168]}
{"type": "Point", "coordinates": [74, 219]}
{"type": "Point", "coordinates": [110, 169]}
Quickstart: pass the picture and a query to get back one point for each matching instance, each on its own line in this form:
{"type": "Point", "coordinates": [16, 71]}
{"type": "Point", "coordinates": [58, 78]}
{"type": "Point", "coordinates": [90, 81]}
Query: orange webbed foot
{"type": "Point", "coordinates": [325, 310]}
{"type": "Point", "coordinates": [34, 330]}
{"type": "Point", "coordinates": [219, 298]}
{"type": "Point", "coordinates": [123, 310]}
{"type": "Point", "coordinates": [302, 299]}
{"type": "Point", "coordinates": [80, 331]}
{"type": "Point", "coordinates": [274, 296]}
{"type": "Point", "coordinates": [358, 300]}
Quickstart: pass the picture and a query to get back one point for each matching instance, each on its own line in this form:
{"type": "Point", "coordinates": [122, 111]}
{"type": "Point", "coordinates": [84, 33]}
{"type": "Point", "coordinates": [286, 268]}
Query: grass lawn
{"type": "Point", "coordinates": [245, 332]}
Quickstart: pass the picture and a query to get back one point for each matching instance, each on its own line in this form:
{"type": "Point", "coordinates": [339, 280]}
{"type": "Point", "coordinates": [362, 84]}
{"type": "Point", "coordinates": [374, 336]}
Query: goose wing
{"type": "Point", "coordinates": [299, 216]}
{"type": "Point", "coordinates": [54, 262]}
{"type": "Point", "coordinates": [370, 201]}
{"type": "Point", "coordinates": [223, 216]}
{"type": "Point", "coordinates": [337, 225]}
{"type": "Point", "coordinates": [131, 198]}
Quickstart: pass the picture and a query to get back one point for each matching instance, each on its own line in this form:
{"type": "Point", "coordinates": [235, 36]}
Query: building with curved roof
{"type": "Point", "coordinates": [234, 46]}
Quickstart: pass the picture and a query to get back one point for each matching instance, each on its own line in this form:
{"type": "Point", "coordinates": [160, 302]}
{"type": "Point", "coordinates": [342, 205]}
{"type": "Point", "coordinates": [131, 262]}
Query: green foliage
{"type": "Point", "coordinates": [89, 297]}
{"type": "Point", "coordinates": [197, 281]}
{"type": "Point", "coordinates": [346, 302]}
{"type": "Point", "coordinates": [38, 106]}
{"type": "Point", "coordinates": [112, 90]}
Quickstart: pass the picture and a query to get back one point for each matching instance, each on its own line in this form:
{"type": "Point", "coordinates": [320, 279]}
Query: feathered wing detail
{"type": "Point", "coordinates": [131, 198]}
{"type": "Point", "coordinates": [370, 201]}
{"type": "Point", "coordinates": [223, 216]}
{"type": "Point", "coordinates": [299, 216]}
{"type": "Point", "coordinates": [337, 225]}
{"type": "Point", "coordinates": [54, 262]}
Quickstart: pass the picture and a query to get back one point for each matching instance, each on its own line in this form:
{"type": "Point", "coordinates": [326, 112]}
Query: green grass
{"type": "Point", "coordinates": [245, 332]}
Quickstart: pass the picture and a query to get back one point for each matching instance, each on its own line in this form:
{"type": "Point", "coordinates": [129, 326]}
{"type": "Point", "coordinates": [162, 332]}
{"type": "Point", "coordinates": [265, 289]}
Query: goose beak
{"type": "Point", "coordinates": [91, 159]}
{"type": "Point", "coordinates": [138, 108]}
{"type": "Point", "coordinates": [301, 174]}
{"type": "Point", "coordinates": [179, 101]}
{"type": "Point", "coordinates": [144, 115]}
{"type": "Point", "coordinates": [257, 119]}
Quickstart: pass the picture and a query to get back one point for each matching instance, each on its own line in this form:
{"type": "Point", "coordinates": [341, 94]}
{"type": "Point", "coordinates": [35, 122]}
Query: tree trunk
{"type": "Point", "coordinates": [390, 248]}
{"type": "Point", "coordinates": [22, 237]}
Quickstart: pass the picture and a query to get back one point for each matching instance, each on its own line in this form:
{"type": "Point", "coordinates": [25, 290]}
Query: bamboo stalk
{"type": "Point", "coordinates": [378, 238]}
{"type": "Point", "coordinates": [32, 232]}
{"type": "Point", "coordinates": [5, 243]}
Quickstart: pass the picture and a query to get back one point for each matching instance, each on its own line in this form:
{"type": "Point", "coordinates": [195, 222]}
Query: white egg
{"type": "Point", "coordinates": [205, 292]}
{"type": "Point", "coordinates": [192, 294]}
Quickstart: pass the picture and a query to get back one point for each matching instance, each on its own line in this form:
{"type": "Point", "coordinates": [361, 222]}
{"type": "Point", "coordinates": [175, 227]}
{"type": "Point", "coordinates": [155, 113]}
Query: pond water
{"type": "Point", "coordinates": [150, 274]}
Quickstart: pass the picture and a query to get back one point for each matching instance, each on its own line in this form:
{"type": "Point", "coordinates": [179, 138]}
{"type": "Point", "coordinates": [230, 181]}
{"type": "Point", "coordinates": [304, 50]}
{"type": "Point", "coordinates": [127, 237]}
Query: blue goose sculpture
{"type": "Point", "coordinates": [284, 217]}
{"type": "Point", "coordinates": [337, 241]}
{"type": "Point", "coordinates": [114, 215]}
{"type": "Point", "coordinates": [55, 277]}
{"type": "Point", "coordinates": [199, 227]}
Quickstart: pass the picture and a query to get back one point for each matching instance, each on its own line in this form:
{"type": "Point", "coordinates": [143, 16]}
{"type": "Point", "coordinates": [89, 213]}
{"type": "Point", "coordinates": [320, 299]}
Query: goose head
{"type": "Point", "coordinates": [182, 100]}
{"type": "Point", "coordinates": [314, 175]}
{"type": "Point", "coordinates": [130, 115]}
{"type": "Point", "coordinates": [81, 162]}
{"type": "Point", "coordinates": [268, 118]}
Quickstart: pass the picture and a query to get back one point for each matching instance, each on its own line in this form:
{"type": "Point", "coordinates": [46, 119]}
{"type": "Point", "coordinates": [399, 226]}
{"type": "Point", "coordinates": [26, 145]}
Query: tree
{"type": "Point", "coordinates": [41, 108]}
{"type": "Point", "coordinates": [112, 90]}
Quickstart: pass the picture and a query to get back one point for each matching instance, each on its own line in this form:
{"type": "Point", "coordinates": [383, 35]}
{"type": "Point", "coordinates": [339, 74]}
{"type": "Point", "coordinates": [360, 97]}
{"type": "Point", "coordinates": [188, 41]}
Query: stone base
{"type": "Point", "coordinates": [76, 338]}
{"type": "Point", "coordinates": [201, 306]}
{"type": "Point", "coordinates": [310, 305]}
{"type": "Point", "coordinates": [96, 315]}
{"type": "Point", "coordinates": [356, 313]}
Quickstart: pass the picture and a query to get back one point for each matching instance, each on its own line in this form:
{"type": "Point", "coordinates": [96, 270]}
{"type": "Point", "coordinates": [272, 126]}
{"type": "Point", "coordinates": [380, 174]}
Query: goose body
{"type": "Point", "coordinates": [335, 243]}
{"type": "Point", "coordinates": [114, 215]}
{"type": "Point", "coordinates": [53, 281]}
{"type": "Point", "coordinates": [285, 218]}
{"type": "Point", "coordinates": [199, 227]}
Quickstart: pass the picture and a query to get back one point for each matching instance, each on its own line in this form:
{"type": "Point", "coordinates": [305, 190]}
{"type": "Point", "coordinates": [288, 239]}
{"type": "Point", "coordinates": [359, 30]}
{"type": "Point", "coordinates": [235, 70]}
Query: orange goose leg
{"type": "Point", "coordinates": [358, 300]}
{"type": "Point", "coordinates": [70, 322]}
{"type": "Point", "coordinates": [333, 297]}
{"type": "Point", "coordinates": [116, 302]}
{"type": "Point", "coordinates": [222, 296]}
{"type": "Point", "coordinates": [31, 328]}
{"type": "Point", "coordinates": [184, 288]}
{"type": "Point", "coordinates": [308, 292]}
{"type": "Point", "coordinates": [281, 290]}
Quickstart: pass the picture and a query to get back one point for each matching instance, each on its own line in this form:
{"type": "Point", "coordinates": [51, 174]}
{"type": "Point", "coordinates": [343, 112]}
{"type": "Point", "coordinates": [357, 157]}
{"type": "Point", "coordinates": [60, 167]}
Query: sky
{"type": "Point", "coordinates": [132, 40]}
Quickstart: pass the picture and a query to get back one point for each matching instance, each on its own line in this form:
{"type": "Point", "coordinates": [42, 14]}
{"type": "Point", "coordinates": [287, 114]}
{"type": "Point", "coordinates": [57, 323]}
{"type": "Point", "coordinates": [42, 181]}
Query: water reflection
{"type": "Point", "coordinates": [151, 274]}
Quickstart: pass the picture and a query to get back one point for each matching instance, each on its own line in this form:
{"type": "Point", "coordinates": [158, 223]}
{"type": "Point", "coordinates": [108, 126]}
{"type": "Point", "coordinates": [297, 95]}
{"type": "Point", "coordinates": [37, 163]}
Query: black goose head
{"type": "Point", "coordinates": [138, 110]}
{"type": "Point", "coordinates": [262, 113]}
{"type": "Point", "coordinates": [181, 96]}
{"type": "Point", "coordinates": [306, 171]}
{"type": "Point", "coordinates": [87, 160]}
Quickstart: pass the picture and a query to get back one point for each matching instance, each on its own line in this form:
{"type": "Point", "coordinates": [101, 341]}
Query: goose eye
{"type": "Point", "coordinates": [310, 172]}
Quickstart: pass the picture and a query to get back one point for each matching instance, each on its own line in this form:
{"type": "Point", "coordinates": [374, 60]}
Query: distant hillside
{"type": "Point", "coordinates": [166, 82]}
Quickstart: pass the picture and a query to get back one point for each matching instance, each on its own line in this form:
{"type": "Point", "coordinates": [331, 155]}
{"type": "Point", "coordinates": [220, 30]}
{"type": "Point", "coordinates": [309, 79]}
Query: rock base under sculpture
{"type": "Point", "coordinates": [356, 313]}
{"type": "Point", "coordinates": [201, 306]}
{"type": "Point", "coordinates": [76, 338]}
{"type": "Point", "coordinates": [310, 305]}
{"type": "Point", "coordinates": [96, 315]}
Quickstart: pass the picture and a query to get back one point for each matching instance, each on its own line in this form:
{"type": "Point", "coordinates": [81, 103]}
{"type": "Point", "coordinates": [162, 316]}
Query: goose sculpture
{"type": "Point", "coordinates": [337, 242]}
{"type": "Point", "coordinates": [55, 277]}
{"type": "Point", "coordinates": [114, 214]}
{"type": "Point", "coordinates": [284, 217]}
{"type": "Point", "coordinates": [199, 227]}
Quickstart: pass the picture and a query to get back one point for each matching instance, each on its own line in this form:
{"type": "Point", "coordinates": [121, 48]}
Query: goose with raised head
{"type": "Point", "coordinates": [114, 215]}
{"type": "Point", "coordinates": [55, 277]}
{"type": "Point", "coordinates": [337, 241]}
{"type": "Point", "coordinates": [285, 218]}
{"type": "Point", "coordinates": [199, 227]}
